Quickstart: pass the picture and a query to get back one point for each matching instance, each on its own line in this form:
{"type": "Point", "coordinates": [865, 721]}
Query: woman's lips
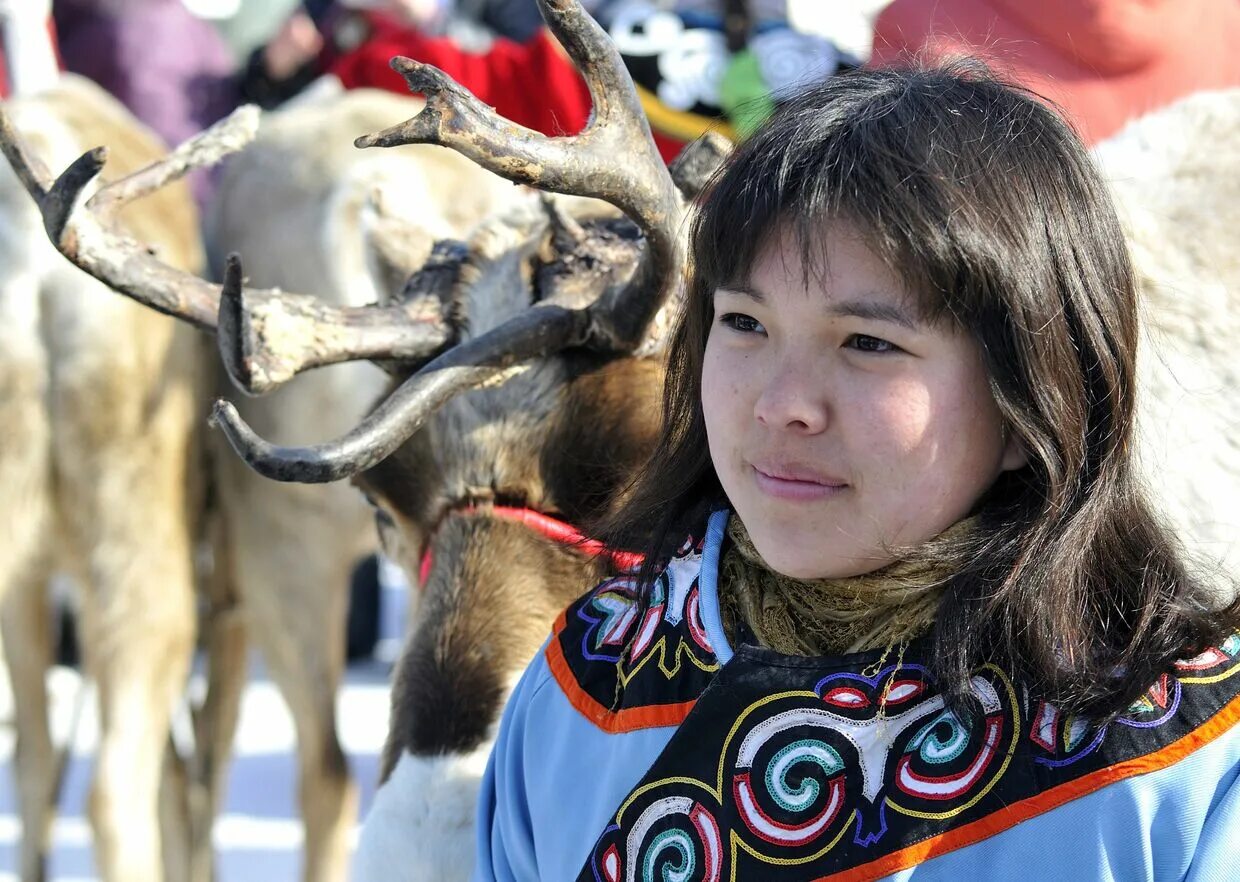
{"type": "Point", "coordinates": [796, 485]}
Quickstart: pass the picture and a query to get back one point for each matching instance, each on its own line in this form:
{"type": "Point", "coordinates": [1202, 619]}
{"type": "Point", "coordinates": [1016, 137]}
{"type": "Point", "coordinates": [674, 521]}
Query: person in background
{"type": "Point", "coordinates": [531, 83]}
{"type": "Point", "coordinates": [715, 64]}
{"type": "Point", "coordinates": [319, 32]}
{"type": "Point", "coordinates": [281, 68]}
{"type": "Point", "coordinates": [170, 68]}
{"type": "Point", "coordinates": [1104, 62]}
{"type": "Point", "coordinates": [700, 65]}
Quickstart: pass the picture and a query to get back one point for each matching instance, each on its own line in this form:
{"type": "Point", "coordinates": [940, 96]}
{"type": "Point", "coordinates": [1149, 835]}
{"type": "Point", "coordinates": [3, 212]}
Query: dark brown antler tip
{"type": "Point", "coordinates": [698, 162]}
{"type": "Point", "coordinates": [63, 196]}
{"type": "Point", "coordinates": [259, 454]}
{"type": "Point", "coordinates": [233, 331]}
{"type": "Point", "coordinates": [218, 410]}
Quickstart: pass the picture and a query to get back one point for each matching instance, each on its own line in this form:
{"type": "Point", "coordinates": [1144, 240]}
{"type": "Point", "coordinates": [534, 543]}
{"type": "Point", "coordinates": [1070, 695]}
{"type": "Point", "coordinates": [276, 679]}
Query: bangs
{"type": "Point", "coordinates": [896, 159]}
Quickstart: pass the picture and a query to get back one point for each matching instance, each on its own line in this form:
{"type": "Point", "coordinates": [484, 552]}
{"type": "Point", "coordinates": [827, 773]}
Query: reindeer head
{"type": "Point", "coordinates": [459, 502]}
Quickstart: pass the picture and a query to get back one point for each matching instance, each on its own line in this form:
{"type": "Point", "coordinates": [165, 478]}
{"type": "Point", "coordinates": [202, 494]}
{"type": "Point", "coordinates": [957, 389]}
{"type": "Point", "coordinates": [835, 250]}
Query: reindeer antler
{"type": "Point", "coordinates": [265, 336]}
{"type": "Point", "coordinates": [614, 159]}
{"type": "Point", "coordinates": [268, 336]}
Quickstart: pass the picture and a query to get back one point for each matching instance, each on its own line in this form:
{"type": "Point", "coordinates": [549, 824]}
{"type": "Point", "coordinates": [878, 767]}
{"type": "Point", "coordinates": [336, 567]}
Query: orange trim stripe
{"type": "Point", "coordinates": [1005, 818]}
{"type": "Point", "coordinates": [624, 720]}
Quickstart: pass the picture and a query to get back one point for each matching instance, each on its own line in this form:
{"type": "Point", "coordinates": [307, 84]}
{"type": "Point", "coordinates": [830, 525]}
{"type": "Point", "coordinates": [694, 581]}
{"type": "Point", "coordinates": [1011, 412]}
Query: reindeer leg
{"type": "Point", "coordinates": [25, 538]}
{"type": "Point", "coordinates": [293, 578]}
{"type": "Point", "coordinates": [28, 654]}
{"type": "Point", "coordinates": [174, 818]}
{"type": "Point", "coordinates": [139, 636]}
{"type": "Point", "coordinates": [124, 453]}
{"type": "Point", "coordinates": [215, 723]}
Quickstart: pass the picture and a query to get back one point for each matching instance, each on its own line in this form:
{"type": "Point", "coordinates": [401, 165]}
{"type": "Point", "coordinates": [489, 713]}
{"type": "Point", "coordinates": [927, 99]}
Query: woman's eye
{"type": "Point", "coordinates": [866, 343]}
{"type": "Point", "coordinates": [742, 323]}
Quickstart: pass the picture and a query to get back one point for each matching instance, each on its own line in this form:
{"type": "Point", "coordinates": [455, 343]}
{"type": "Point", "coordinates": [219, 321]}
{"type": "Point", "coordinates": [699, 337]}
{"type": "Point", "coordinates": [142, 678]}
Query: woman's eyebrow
{"type": "Point", "coordinates": [743, 289]}
{"type": "Point", "coordinates": [875, 310]}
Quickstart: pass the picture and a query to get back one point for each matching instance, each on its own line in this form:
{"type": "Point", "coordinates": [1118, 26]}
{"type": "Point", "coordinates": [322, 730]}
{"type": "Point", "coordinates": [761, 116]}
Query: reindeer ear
{"type": "Point", "coordinates": [604, 431]}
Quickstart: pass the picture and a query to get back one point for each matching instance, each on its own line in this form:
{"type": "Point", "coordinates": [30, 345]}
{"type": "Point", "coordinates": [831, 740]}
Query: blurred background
{"type": "Point", "coordinates": [724, 65]}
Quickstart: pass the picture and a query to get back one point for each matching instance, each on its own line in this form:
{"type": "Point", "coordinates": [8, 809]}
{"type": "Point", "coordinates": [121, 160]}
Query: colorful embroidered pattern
{"type": "Point", "coordinates": [790, 769]}
{"type": "Point", "coordinates": [1061, 740]}
{"type": "Point", "coordinates": [628, 659]}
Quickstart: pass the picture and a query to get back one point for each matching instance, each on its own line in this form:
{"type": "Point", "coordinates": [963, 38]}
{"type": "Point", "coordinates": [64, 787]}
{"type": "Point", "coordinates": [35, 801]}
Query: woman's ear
{"type": "Point", "coordinates": [1014, 455]}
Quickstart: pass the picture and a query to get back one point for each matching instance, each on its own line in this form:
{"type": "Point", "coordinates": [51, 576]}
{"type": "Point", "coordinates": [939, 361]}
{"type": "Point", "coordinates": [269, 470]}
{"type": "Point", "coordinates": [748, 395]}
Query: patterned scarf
{"type": "Point", "coordinates": [815, 617]}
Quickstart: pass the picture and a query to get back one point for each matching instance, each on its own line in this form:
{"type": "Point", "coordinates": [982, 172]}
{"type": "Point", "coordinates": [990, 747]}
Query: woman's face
{"type": "Point", "coordinates": [842, 424]}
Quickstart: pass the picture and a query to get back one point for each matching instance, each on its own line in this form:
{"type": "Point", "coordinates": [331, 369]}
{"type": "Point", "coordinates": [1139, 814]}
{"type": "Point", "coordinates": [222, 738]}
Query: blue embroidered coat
{"type": "Point", "coordinates": [640, 746]}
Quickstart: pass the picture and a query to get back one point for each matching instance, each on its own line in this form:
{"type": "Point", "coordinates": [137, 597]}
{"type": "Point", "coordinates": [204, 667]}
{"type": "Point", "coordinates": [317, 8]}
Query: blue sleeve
{"type": "Point", "coordinates": [1218, 848]}
{"type": "Point", "coordinates": [505, 836]}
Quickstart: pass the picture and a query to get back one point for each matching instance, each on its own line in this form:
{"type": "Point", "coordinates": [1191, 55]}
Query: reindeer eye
{"type": "Point", "coordinates": [382, 517]}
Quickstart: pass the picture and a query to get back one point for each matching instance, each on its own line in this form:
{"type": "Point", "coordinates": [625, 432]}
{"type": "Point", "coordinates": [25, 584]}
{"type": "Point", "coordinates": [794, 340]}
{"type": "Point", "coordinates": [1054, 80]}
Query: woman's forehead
{"type": "Point", "coordinates": [835, 262]}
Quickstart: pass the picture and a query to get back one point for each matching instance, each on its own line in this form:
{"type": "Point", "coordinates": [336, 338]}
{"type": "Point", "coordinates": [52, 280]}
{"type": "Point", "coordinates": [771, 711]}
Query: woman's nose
{"type": "Point", "coordinates": [791, 399]}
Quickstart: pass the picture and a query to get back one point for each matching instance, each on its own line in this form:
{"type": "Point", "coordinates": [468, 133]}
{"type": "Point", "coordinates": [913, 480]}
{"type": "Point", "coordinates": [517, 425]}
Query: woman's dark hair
{"type": "Point", "coordinates": [988, 206]}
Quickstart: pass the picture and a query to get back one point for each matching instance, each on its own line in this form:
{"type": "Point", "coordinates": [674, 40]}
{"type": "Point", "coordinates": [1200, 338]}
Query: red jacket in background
{"type": "Point", "coordinates": [1104, 62]}
{"type": "Point", "coordinates": [532, 84]}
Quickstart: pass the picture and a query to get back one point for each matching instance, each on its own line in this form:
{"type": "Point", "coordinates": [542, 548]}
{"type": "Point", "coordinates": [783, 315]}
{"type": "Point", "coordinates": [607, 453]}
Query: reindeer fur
{"type": "Point", "coordinates": [100, 400]}
{"type": "Point", "coordinates": [1176, 178]}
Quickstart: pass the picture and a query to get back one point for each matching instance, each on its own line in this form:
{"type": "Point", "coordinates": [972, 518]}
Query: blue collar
{"type": "Point", "coordinates": [708, 585]}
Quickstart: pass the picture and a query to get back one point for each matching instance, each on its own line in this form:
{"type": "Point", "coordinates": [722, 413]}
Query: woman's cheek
{"type": "Point", "coordinates": [898, 416]}
{"type": "Point", "coordinates": [718, 394]}
{"type": "Point", "coordinates": [723, 378]}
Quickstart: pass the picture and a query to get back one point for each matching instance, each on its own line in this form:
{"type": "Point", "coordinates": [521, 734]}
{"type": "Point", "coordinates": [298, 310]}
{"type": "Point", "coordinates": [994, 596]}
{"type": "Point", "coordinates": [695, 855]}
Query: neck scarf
{"type": "Point", "coordinates": [814, 617]}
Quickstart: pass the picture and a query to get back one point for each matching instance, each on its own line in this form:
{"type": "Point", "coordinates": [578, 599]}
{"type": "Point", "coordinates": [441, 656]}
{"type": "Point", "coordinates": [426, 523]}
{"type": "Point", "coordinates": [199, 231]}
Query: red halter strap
{"type": "Point", "coordinates": [554, 529]}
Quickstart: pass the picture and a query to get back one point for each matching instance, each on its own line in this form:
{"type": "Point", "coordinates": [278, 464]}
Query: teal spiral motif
{"type": "Point", "coordinates": [657, 867]}
{"type": "Point", "coordinates": [936, 750]}
{"type": "Point", "coordinates": [674, 839]}
{"type": "Point", "coordinates": [800, 798]}
{"type": "Point", "coordinates": [789, 795]}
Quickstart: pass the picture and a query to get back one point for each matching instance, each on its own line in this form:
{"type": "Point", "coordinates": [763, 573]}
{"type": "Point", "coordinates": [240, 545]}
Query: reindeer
{"type": "Point", "coordinates": [1175, 175]}
{"type": "Point", "coordinates": [562, 255]}
{"type": "Point", "coordinates": [283, 558]}
{"type": "Point", "coordinates": [280, 557]}
{"type": "Point", "coordinates": [527, 377]}
{"type": "Point", "coordinates": [287, 555]}
{"type": "Point", "coordinates": [100, 473]}
{"type": "Point", "coordinates": [347, 227]}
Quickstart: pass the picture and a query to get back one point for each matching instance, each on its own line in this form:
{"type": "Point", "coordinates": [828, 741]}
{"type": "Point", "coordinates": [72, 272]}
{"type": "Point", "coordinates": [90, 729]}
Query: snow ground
{"type": "Point", "coordinates": [259, 835]}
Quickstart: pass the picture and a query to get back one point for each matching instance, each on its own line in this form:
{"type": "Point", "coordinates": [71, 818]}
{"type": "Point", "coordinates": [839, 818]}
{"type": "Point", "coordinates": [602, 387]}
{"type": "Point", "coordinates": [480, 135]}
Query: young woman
{"type": "Point", "coordinates": [931, 626]}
